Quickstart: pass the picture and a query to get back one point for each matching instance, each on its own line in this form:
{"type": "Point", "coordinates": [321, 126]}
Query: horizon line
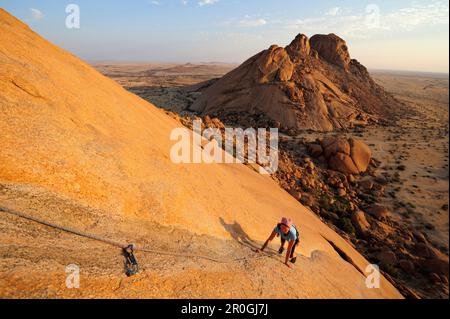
{"type": "Point", "coordinates": [99, 61]}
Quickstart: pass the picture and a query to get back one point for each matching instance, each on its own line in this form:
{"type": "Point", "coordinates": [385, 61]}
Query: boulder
{"type": "Point", "coordinates": [306, 199]}
{"type": "Point", "coordinates": [381, 231]}
{"type": "Point", "coordinates": [434, 278]}
{"type": "Point", "coordinates": [431, 259]}
{"type": "Point", "coordinates": [296, 194]}
{"type": "Point", "coordinates": [360, 223]}
{"type": "Point", "coordinates": [346, 156]}
{"type": "Point", "coordinates": [213, 123]}
{"type": "Point", "coordinates": [339, 145]}
{"type": "Point", "coordinates": [360, 153]}
{"type": "Point", "coordinates": [437, 266]}
{"type": "Point", "coordinates": [341, 192]}
{"type": "Point", "coordinates": [366, 184]}
{"type": "Point", "coordinates": [342, 163]}
{"type": "Point", "coordinates": [315, 150]}
{"type": "Point", "coordinates": [407, 266]}
{"type": "Point", "coordinates": [387, 257]}
{"type": "Point", "coordinates": [425, 250]}
{"type": "Point", "coordinates": [381, 179]}
{"type": "Point", "coordinates": [420, 237]}
{"type": "Point", "coordinates": [310, 166]}
{"type": "Point", "coordinates": [379, 212]}
{"type": "Point", "coordinates": [351, 179]}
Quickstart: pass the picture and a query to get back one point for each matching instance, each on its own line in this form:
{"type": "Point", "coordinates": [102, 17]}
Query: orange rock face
{"type": "Point", "coordinates": [332, 49]}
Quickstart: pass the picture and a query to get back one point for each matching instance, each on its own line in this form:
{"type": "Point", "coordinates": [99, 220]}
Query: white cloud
{"type": "Point", "coordinates": [246, 22]}
{"type": "Point", "coordinates": [333, 12]}
{"type": "Point", "coordinates": [419, 15]}
{"type": "Point", "coordinates": [184, 2]}
{"type": "Point", "coordinates": [249, 22]}
{"type": "Point", "coordinates": [202, 3]}
{"type": "Point", "coordinates": [239, 37]}
{"type": "Point", "coordinates": [364, 24]}
{"type": "Point", "coordinates": [36, 14]}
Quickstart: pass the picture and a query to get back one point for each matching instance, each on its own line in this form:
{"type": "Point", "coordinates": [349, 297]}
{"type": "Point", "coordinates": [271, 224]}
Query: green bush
{"type": "Point", "coordinates": [340, 205]}
{"type": "Point", "coordinates": [346, 225]}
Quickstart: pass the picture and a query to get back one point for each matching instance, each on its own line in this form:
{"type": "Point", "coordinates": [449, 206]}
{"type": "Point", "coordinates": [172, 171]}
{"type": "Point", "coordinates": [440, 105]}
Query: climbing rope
{"type": "Point", "coordinates": [122, 245]}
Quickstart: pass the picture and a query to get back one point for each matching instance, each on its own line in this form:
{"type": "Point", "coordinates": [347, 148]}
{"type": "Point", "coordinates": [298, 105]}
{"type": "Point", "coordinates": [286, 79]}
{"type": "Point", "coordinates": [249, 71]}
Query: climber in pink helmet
{"type": "Point", "coordinates": [287, 232]}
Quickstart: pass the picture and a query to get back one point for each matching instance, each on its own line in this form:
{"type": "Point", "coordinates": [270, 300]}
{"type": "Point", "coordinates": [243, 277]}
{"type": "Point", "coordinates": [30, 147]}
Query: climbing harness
{"type": "Point", "coordinates": [132, 266]}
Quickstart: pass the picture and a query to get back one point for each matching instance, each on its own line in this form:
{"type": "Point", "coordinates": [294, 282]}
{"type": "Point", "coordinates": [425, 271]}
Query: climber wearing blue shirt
{"type": "Point", "coordinates": [287, 232]}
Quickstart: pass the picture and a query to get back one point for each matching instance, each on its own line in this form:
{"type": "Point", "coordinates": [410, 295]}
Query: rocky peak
{"type": "Point", "coordinates": [332, 49]}
{"type": "Point", "coordinates": [299, 48]}
{"type": "Point", "coordinates": [275, 65]}
{"type": "Point", "coordinates": [309, 84]}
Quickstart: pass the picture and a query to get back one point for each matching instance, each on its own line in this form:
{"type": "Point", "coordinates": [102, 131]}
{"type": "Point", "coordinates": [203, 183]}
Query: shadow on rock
{"type": "Point", "coordinates": [238, 234]}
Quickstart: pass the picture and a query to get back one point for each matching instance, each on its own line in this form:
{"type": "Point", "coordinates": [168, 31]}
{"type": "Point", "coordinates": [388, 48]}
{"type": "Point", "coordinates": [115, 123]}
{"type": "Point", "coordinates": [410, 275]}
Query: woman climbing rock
{"type": "Point", "coordinates": [287, 231]}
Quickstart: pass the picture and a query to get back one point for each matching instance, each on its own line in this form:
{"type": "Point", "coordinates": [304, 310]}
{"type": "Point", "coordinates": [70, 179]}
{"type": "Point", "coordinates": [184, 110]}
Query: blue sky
{"type": "Point", "coordinates": [400, 34]}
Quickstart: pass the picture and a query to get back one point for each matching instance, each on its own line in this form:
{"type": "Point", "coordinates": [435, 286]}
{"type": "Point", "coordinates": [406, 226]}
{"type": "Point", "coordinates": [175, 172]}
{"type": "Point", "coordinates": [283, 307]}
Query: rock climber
{"type": "Point", "coordinates": [287, 231]}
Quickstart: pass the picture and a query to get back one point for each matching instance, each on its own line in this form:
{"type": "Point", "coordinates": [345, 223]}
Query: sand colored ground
{"type": "Point", "coordinates": [163, 84]}
{"type": "Point", "coordinates": [78, 150]}
{"type": "Point", "coordinates": [419, 144]}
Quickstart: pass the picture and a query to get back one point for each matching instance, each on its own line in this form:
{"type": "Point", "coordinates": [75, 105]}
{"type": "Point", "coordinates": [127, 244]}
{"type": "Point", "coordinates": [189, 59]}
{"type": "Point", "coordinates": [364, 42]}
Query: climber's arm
{"type": "Point", "coordinates": [271, 237]}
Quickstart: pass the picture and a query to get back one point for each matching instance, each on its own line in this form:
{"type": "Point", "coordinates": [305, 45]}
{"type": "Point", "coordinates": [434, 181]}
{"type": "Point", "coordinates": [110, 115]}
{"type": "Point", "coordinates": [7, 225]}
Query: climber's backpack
{"type": "Point", "coordinates": [131, 264]}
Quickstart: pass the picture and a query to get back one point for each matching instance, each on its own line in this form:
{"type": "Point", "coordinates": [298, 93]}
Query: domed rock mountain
{"type": "Point", "coordinates": [310, 84]}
